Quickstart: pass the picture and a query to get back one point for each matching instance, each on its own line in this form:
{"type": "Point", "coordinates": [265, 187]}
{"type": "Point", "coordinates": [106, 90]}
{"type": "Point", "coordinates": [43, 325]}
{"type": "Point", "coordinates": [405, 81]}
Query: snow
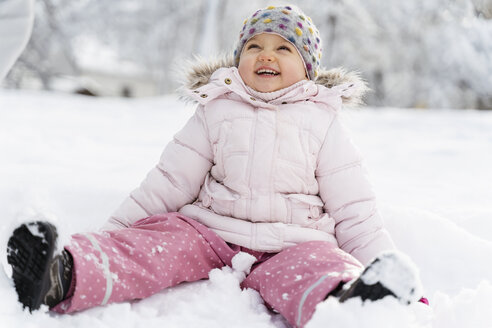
{"type": "Point", "coordinates": [395, 271]}
{"type": "Point", "coordinates": [387, 313]}
{"type": "Point", "coordinates": [71, 160]}
{"type": "Point", "coordinates": [243, 262]}
{"type": "Point", "coordinates": [34, 230]}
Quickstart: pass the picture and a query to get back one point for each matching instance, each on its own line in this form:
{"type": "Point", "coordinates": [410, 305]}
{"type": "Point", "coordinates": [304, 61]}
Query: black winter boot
{"type": "Point", "coordinates": [38, 277]}
{"type": "Point", "coordinates": [391, 273]}
{"type": "Point", "coordinates": [60, 278]}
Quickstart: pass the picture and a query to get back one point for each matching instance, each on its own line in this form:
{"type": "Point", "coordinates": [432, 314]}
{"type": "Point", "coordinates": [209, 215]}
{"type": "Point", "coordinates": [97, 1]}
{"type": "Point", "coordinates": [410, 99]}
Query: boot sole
{"type": "Point", "coordinates": [373, 284]}
{"type": "Point", "coordinates": [365, 292]}
{"type": "Point", "coordinates": [30, 250]}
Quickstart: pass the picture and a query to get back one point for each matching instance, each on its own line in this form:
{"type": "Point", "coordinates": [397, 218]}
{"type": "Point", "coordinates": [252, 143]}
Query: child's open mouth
{"type": "Point", "coordinates": [267, 72]}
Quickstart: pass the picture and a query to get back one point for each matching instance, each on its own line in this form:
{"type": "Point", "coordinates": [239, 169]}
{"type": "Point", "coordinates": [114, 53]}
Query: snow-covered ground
{"type": "Point", "coordinates": [72, 160]}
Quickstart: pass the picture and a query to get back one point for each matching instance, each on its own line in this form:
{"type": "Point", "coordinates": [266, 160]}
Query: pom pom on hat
{"type": "Point", "coordinates": [290, 23]}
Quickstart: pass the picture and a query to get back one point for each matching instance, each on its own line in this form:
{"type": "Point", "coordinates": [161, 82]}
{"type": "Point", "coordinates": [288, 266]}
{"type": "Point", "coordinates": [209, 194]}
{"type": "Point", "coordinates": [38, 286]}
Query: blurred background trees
{"type": "Point", "coordinates": [425, 54]}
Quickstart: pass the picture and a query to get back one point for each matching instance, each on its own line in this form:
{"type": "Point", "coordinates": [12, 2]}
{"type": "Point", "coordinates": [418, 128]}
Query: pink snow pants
{"type": "Point", "coordinates": [164, 250]}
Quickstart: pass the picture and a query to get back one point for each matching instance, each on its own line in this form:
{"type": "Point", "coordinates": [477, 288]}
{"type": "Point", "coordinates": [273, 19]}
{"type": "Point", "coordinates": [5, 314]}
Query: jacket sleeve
{"type": "Point", "coordinates": [348, 196]}
{"type": "Point", "coordinates": [16, 18]}
{"type": "Point", "coordinates": [175, 181]}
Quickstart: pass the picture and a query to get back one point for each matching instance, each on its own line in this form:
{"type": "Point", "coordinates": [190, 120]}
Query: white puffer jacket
{"type": "Point", "coordinates": [16, 18]}
{"type": "Point", "coordinates": [265, 175]}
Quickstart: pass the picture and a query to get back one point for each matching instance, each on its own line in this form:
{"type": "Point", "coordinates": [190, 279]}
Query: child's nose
{"type": "Point", "coordinates": [266, 57]}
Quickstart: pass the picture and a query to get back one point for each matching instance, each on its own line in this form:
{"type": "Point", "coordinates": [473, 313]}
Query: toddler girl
{"type": "Point", "coordinates": [264, 167]}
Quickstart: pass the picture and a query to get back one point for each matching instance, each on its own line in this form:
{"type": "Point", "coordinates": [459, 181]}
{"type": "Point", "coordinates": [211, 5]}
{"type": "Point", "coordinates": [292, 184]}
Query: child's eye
{"type": "Point", "coordinates": [284, 48]}
{"type": "Point", "coordinates": [252, 46]}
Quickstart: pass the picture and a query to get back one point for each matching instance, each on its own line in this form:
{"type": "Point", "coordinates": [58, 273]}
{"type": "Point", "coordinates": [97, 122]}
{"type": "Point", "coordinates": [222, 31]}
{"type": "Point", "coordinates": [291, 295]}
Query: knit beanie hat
{"type": "Point", "coordinates": [290, 23]}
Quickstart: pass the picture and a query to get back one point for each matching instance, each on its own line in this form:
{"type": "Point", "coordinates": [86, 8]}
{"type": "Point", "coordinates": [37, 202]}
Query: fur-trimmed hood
{"type": "Point", "coordinates": [199, 71]}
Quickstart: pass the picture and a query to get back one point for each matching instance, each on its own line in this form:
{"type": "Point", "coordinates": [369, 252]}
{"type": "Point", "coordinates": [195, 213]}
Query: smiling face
{"type": "Point", "coordinates": [269, 63]}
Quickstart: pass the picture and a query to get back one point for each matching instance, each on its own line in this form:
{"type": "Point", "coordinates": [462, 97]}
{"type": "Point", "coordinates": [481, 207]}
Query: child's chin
{"type": "Point", "coordinates": [266, 90]}
{"type": "Point", "coordinates": [271, 88]}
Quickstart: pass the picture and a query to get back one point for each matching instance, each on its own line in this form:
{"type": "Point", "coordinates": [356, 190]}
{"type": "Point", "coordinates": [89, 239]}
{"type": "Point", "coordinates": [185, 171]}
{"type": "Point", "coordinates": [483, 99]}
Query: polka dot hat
{"type": "Point", "coordinates": [290, 23]}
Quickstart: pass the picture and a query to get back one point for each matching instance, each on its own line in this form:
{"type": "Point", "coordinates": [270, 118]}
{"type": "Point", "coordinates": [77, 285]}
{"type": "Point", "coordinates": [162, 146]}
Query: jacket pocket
{"type": "Point", "coordinates": [304, 210]}
{"type": "Point", "coordinates": [307, 206]}
{"type": "Point", "coordinates": [218, 149]}
{"type": "Point", "coordinates": [218, 197]}
{"type": "Point", "coordinates": [307, 211]}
